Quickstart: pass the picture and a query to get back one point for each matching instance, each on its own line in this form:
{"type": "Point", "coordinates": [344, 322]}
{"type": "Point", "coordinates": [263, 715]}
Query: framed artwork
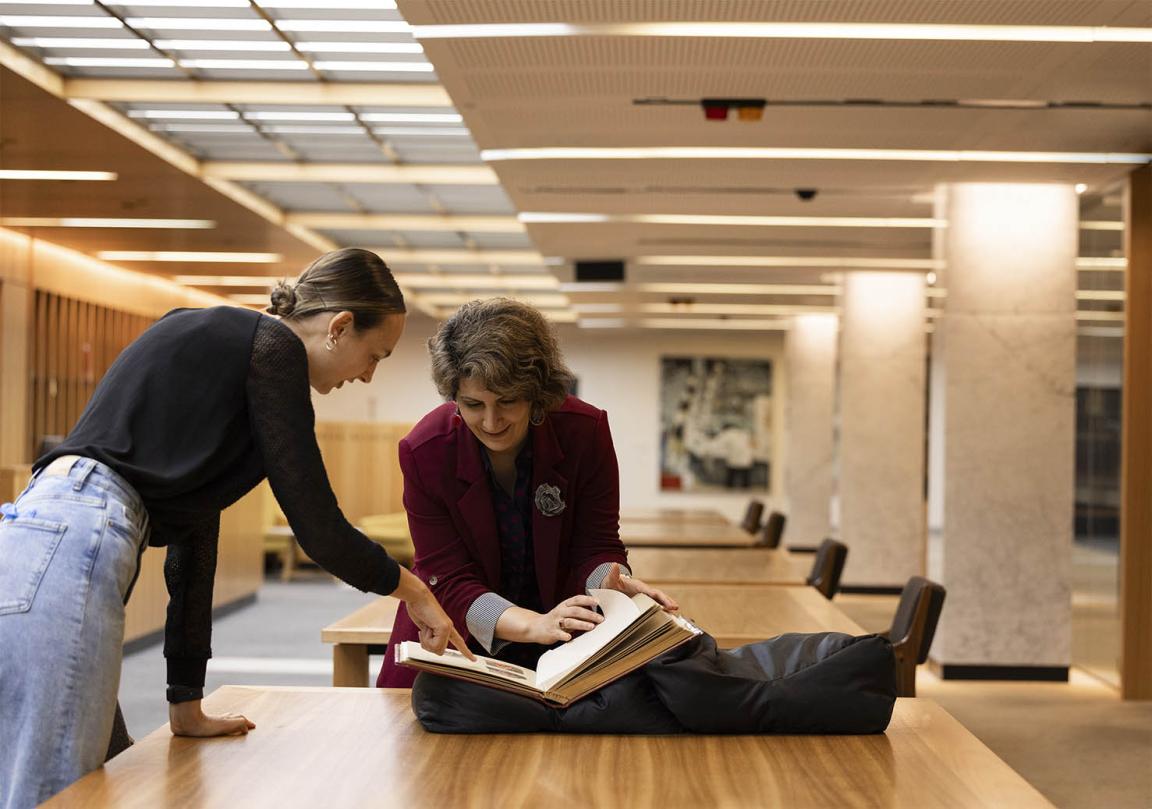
{"type": "Point", "coordinates": [716, 424]}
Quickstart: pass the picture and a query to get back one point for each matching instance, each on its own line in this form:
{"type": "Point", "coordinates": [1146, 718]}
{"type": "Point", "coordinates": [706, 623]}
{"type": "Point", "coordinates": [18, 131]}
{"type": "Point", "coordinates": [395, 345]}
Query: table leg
{"type": "Point", "coordinates": [350, 665]}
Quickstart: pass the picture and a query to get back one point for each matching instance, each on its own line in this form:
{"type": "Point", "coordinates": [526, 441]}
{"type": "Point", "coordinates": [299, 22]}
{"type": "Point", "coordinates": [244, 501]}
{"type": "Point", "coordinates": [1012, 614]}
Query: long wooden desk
{"type": "Point", "coordinates": [357, 635]}
{"type": "Point", "coordinates": [737, 614]}
{"type": "Point", "coordinates": [357, 747]}
{"type": "Point", "coordinates": [733, 614]}
{"type": "Point", "coordinates": [676, 533]}
{"type": "Point", "coordinates": [688, 515]}
{"type": "Point", "coordinates": [672, 566]}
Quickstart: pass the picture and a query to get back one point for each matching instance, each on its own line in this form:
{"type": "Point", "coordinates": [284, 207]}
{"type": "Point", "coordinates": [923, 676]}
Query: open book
{"type": "Point", "coordinates": [634, 631]}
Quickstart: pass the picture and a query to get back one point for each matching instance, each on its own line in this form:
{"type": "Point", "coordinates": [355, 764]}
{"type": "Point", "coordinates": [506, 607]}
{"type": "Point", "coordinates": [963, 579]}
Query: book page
{"type": "Point", "coordinates": [412, 650]}
{"type": "Point", "coordinates": [619, 613]}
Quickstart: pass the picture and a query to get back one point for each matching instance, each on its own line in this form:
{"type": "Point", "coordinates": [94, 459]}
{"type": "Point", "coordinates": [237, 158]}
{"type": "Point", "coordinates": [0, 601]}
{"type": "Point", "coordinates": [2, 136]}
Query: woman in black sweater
{"type": "Point", "coordinates": [192, 415]}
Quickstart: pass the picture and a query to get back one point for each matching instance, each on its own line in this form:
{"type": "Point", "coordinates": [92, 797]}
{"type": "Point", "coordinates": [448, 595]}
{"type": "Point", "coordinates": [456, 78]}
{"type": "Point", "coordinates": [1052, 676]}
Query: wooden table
{"type": "Point", "coordinates": [365, 631]}
{"type": "Point", "coordinates": [736, 614]}
{"type": "Point", "coordinates": [670, 566]}
{"type": "Point", "coordinates": [356, 747]}
{"type": "Point", "coordinates": [688, 515]}
{"type": "Point", "coordinates": [675, 533]}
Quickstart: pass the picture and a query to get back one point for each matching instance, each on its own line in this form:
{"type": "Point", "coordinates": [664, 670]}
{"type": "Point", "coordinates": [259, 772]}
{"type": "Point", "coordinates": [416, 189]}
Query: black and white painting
{"type": "Point", "coordinates": [716, 424]}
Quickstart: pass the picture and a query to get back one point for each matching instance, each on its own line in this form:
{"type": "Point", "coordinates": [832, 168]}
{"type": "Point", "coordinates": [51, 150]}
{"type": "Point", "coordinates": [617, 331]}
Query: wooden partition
{"type": "Point", "coordinates": [362, 463]}
{"type": "Point", "coordinates": [74, 344]}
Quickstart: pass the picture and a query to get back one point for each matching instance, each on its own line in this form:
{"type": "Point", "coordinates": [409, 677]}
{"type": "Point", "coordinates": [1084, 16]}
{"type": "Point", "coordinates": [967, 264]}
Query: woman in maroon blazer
{"type": "Point", "coordinates": [512, 491]}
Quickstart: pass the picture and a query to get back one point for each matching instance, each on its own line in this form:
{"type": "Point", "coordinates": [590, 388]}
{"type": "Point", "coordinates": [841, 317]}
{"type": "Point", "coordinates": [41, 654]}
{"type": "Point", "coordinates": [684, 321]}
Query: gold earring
{"type": "Point", "coordinates": [330, 343]}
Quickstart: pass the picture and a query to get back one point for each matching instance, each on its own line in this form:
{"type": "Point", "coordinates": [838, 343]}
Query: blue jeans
{"type": "Point", "coordinates": [69, 554]}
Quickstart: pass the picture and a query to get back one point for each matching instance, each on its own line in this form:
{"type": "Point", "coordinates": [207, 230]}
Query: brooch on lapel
{"type": "Point", "coordinates": [548, 500]}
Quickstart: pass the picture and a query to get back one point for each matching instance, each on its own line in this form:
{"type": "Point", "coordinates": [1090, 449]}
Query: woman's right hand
{"type": "Point", "coordinates": [436, 629]}
{"type": "Point", "coordinates": [575, 614]}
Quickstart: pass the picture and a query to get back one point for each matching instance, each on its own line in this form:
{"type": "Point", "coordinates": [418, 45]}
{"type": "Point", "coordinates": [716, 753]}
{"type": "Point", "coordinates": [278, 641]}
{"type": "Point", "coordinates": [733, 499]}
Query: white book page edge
{"type": "Point", "coordinates": [619, 611]}
{"type": "Point", "coordinates": [411, 650]}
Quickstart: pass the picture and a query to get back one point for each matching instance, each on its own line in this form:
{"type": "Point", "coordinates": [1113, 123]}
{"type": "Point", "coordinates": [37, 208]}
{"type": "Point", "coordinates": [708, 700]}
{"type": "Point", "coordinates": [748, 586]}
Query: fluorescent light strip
{"type": "Point", "coordinates": [13, 21]}
{"type": "Point", "coordinates": [191, 256]}
{"type": "Point", "coordinates": [37, 174]}
{"type": "Point", "coordinates": [92, 222]}
{"type": "Point", "coordinates": [101, 61]}
{"type": "Point", "coordinates": [375, 67]}
{"type": "Point", "coordinates": [226, 280]}
{"type": "Point", "coordinates": [770, 30]}
{"type": "Point", "coordinates": [360, 47]}
{"type": "Point", "coordinates": [597, 308]}
{"type": "Point", "coordinates": [1102, 226]}
{"type": "Point", "coordinates": [1101, 263]}
{"type": "Point", "coordinates": [791, 261]}
{"type": "Point", "coordinates": [465, 281]}
{"type": "Point", "coordinates": [775, 153]}
{"type": "Point", "coordinates": [603, 323]}
{"type": "Point", "coordinates": [333, 5]}
{"type": "Point", "coordinates": [733, 309]}
{"type": "Point", "coordinates": [198, 24]}
{"type": "Point", "coordinates": [445, 132]}
{"type": "Point", "coordinates": [739, 289]}
{"type": "Point", "coordinates": [186, 115]}
{"type": "Point", "coordinates": [242, 45]}
{"type": "Point", "coordinates": [1100, 316]}
{"type": "Point", "coordinates": [244, 64]}
{"type": "Point", "coordinates": [238, 128]}
{"type": "Point", "coordinates": [346, 26]}
{"type": "Point", "coordinates": [543, 301]}
{"type": "Point", "coordinates": [545, 217]}
{"type": "Point", "coordinates": [86, 43]}
{"type": "Point", "coordinates": [1100, 295]}
{"type": "Point", "coordinates": [300, 116]}
{"type": "Point", "coordinates": [412, 117]}
{"type": "Point", "coordinates": [713, 324]}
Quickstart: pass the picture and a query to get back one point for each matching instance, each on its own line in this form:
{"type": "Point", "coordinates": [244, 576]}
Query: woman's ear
{"type": "Point", "coordinates": [340, 323]}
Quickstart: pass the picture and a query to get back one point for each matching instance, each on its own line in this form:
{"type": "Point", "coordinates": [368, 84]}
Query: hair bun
{"type": "Point", "coordinates": [283, 300]}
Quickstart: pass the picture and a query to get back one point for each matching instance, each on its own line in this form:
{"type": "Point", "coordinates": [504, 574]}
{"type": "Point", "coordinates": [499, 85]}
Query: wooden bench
{"type": "Point", "coordinates": [353, 747]}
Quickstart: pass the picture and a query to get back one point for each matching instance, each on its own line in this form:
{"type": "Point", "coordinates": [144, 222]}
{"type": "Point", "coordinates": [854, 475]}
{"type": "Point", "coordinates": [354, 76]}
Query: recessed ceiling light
{"type": "Point", "coordinates": [300, 116]}
{"type": "Point", "coordinates": [244, 64]}
{"type": "Point", "coordinates": [360, 47]}
{"type": "Point", "coordinates": [720, 324]}
{"type": "Point", "coordinates": [412, 117]}
{"type": "Point", "coordinates": [791, 261]}
{"type": "Point", "coordinates": [376, 67]}
{"type": "Point", "coordinates": [199, 24]}
{"type": "Point", "coordinates": [1098, 263]}
{"type": "Point", "coordinates": [733, 309]}
{"type": "Point", "coordinates": [775, 153]}
{"type": "Point", "coordinates": [96, 222]}
{"type": "Point", "coordinates": [346, 26]}
{"type": "Point", "coordinates": [186, 115]}
{"type": "Point", "coordinates": [242, 45]}
{"type": "Point", "coordinates": [85, 43]}
{"type": "Point", "coordinates": [548, 217]}
{"type": "Point", "coordinates": [191, 256]}
{"type": "Point", "coordinates": [444, 132]}
{"type": "Point", "coordinates": [42, 174]}
{"type": "Point", "coordinates": [784, 30]}
{"type": "Point", "coordinates": [739, 289]}
{"type": "Point", "coordinates": [101, 61]}
{"type": "Point", "coordinates": [31, 21]}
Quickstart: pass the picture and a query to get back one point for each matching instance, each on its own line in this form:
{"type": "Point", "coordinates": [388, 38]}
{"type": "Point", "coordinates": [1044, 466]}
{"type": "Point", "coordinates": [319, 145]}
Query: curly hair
{"type": "Point", "coordinates": [507, 345]}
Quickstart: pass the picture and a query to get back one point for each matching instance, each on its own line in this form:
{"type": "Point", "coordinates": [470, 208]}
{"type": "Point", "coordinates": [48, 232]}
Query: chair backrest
{"type": "Point", "coordinates": [752, 515]}
{"type": "Point", "coordinates": [773, 530]}
{"type": "Point", "coordinates": [916, 616]}
{"type": "Point", "coordinates": [828, 567]}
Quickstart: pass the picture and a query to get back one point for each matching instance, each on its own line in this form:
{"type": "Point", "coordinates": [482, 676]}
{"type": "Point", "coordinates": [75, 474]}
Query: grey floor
{"type": "Point", "coordinates": [1076, 742]}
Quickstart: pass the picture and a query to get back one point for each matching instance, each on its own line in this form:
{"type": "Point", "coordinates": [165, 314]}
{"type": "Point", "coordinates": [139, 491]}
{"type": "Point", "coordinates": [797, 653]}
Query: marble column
{"type": "Point", "coordinates": [880, 459]}
{"type": "Point", "coordinates": [1002, 430]}
{"type": "Point", "coordinates": [809, 482]}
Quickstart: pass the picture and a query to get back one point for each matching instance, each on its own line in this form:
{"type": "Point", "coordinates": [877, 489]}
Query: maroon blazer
{"type": "Point", "coordinates": [450, 514]}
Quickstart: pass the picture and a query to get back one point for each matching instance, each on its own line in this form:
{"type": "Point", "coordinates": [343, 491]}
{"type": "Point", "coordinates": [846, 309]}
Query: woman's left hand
{"type": "Point", "coordinates": [617, 580]}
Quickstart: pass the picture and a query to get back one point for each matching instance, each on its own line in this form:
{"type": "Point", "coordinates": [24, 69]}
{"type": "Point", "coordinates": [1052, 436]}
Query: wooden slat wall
{"type": "Point", "coordinates": [362, 463]}
{"type": "Point", "coordinates": [75, 342]}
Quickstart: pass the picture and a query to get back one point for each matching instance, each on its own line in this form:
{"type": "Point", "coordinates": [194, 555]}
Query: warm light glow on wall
{"type": "Point", "coordinates": [189, 256]}
{"type": "Point", "coordinates": [41, 174]}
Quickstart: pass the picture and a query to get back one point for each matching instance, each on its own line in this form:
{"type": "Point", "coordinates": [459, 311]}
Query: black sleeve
{"type": "Point", "coordinates": [284, 426]}
{"type": "Point", "coordinates": [190, 572]}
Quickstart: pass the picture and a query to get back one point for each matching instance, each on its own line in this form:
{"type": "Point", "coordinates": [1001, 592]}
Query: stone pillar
{"type": "Point", "coordinates": [881, 442]}
{"type": "Point", "coordinates": [1002, 430]}
{"type": "Point", "coordinates": [809, 482]}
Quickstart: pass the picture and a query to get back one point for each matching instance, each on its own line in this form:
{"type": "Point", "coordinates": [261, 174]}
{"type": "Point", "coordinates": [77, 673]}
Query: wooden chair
{"type": "Point", "coordinates": [913, 628]}
{"type": "Point", "coordinates": [773, 530]}
{"type": "Point", "coordinates": [752, 515]}
{"type": "Point", "coordinates": [828, 567]}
